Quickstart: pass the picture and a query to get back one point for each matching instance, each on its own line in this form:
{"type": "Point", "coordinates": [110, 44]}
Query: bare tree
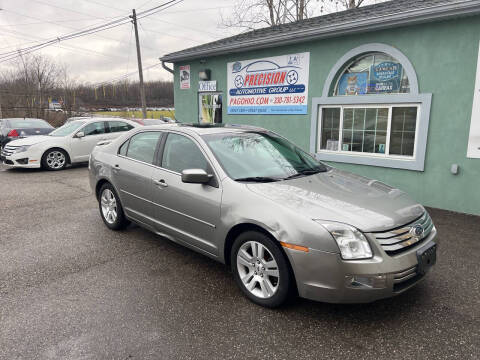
{"type": "Point", "coordinates": [251, 14]}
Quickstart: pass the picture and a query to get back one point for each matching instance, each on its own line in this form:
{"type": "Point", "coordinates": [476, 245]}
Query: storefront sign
{"type": "Point", "coordinates": [385, 77]}
{"type": "Point", "coordinates": [207, 85]}
{"type": "Point", "coordinates": [274, 85]}
{"type": "Point", "coordinates": [354, 83]}
{"type": "Point", "coordinates": [474, 138]}
{"type": "Point", "coordinates": [185, 77]}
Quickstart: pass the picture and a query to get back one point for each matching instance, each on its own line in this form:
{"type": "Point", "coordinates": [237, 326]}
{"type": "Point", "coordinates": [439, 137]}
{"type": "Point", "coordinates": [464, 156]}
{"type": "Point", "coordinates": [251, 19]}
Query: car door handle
{"type": "Point", "coordinates": [161, 183]}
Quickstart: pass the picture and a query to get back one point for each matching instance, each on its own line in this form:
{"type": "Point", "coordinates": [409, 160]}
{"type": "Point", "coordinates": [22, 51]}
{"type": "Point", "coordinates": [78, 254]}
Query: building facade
{"type": "Point", "coordinates": [388, 91]}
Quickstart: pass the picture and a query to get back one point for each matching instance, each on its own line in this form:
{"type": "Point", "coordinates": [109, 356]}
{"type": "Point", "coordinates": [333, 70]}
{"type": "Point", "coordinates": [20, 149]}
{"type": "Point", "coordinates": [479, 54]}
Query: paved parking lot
{"type": "Point", "coordinates": [72, 289]}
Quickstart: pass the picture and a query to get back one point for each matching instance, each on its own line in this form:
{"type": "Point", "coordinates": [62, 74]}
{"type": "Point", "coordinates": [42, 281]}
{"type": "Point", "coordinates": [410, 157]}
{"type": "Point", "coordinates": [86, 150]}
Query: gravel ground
{"type": "Point", "coordinates": [72, 289]}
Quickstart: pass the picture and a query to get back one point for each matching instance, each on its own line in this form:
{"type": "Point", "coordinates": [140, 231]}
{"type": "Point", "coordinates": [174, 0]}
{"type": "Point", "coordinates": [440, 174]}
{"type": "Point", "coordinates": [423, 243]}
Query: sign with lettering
{"type": "Point", "coordinates": [272, 85]}
{"type": "Point", "coordinates": [385, 78]}
{"type": "Point", "coordinates": [185, 77]}
{"type": "Point", "coordinates": [205, 86]}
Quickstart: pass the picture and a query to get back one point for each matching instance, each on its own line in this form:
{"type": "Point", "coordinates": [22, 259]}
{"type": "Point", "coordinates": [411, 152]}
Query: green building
{"type": "Point", "coordinates": [389, 91]}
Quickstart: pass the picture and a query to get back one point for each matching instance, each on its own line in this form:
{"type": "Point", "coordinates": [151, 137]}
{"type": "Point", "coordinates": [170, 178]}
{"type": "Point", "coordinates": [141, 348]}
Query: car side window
{"type": "Point", "coordinates": [123, 149]}
{"type": "Point", "coordinates": [182, 153]}
{"type": "Point", "coordinates": [119, 126]}
{"type": "Point", "coordinates": [142, 146]}
{"type": "Point", "coordinates": [95, 128]}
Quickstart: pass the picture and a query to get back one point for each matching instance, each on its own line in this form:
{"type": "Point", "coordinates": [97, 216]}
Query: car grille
{"type": "Point", "coordinates": [9, 150]}
{"type": "Point", "coordinates": [401, 239]}
{"type": "Point", "coordinates": [405, 278]}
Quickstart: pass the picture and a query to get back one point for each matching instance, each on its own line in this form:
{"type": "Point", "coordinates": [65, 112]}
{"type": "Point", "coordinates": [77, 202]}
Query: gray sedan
{"type": "Point", "coordinates": [284, 222]}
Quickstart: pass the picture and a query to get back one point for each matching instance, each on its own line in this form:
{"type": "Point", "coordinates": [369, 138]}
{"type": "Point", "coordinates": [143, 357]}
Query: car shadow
{"type": "Point", "coordinates": [37, 170]}
{"type": "Point", "coordinates": [403, 305]}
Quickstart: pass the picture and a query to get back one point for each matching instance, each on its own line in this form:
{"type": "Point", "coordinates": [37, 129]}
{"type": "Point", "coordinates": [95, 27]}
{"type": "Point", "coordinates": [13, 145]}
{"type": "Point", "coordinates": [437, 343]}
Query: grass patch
{"type": "Point", "coordinates": [157, 114]}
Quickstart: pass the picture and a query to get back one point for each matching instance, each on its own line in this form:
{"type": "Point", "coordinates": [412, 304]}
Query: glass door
{"type": "Point", "coordinates": [210, 108]}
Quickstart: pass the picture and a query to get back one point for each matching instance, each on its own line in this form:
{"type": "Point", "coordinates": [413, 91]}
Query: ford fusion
{"type": "Point", "coordinates": [284, 222]}
{"type": "Point", "coordinates": [71, 143]}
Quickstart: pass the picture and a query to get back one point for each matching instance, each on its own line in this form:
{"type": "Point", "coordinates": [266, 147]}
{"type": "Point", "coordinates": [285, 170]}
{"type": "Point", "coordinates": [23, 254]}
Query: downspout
{"type": "Point", "coordinates": [166, 67]}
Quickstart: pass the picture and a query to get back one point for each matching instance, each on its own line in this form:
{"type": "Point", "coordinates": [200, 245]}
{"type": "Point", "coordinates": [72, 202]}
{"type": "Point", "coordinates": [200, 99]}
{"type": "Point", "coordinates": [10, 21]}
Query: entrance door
{"type": "Point", "coordinates": [210, 108]}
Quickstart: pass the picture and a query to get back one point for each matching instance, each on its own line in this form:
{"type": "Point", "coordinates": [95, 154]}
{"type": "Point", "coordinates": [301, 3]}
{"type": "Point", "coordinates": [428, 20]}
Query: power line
{"type": "Point", "coordinates": [88, 31]}
{"type": "Point", "coordinates": [68, 27]}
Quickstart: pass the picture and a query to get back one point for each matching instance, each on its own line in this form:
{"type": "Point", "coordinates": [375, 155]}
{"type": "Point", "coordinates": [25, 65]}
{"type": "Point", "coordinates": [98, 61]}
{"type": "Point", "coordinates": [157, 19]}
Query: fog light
{"type": "Point", "coordinates": [366, 281]}
{"type": "Point", "coordinates": [23, 161]}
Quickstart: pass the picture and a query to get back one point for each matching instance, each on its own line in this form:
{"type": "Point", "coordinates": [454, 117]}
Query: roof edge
{"type": "Point", "coordinates": [430, 14]}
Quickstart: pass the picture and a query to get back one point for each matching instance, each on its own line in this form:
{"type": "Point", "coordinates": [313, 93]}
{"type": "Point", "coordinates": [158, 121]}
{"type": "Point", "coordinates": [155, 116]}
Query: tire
{"type": "Point", "coordinates": [266, 283]}
{"type": "Point", "coordinates": [54, 159]}
{"type": "Point", "coordinates": [111, 209]}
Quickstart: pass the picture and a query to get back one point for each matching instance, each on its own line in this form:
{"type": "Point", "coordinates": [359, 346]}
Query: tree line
{"type": "Point", "coordinates": [27, 89]}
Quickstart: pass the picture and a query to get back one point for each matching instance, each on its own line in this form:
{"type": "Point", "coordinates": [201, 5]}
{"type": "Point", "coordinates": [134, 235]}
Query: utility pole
{"type": "Point", "coordinates": [140, 70]}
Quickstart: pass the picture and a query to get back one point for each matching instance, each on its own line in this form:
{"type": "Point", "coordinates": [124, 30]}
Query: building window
{"type": "Point", "coordinates": [374, 73]}
{"type": "Point", "coordinates": [372, 130]}
{"type": "Point", "coordinates": [371, 111]}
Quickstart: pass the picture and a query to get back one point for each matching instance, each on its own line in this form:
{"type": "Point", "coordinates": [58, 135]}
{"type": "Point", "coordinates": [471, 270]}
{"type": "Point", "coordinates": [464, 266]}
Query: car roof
{"type": "Point", "coordinates": [22, 118]}
{"type": "Point", "coordinates": [203, 129]}
{"type": "Point", "coordinates": [91, 119]}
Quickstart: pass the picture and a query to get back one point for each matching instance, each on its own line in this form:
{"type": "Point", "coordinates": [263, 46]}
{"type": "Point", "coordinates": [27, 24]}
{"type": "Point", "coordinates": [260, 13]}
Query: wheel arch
{"type": "Point", "coordinates": [99, 185]}
{"type": "Point", "coordinates": [238, 229]}
{"type": "Point", "coordinates": [69, 160]}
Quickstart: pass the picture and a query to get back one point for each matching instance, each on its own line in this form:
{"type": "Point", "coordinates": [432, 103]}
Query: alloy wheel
{"type": "Point", "coordinates": [55, 159]}
{"type": "Point", "coordinates": [258, 269]}
{"type": "Point", "coordinates": [109, 206]}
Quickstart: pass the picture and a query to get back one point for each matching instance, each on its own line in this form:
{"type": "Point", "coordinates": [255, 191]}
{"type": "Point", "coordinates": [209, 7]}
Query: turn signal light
{"type": "Point", "coordinates": [294, 247]}
{"type": "Point", "coordinates": [13, 133]}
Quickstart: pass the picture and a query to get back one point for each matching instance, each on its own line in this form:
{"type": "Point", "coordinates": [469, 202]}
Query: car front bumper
{"type": "Point", "coordinates": [325, 276]}
{"type": "Point", "coordinates": [26, 159]}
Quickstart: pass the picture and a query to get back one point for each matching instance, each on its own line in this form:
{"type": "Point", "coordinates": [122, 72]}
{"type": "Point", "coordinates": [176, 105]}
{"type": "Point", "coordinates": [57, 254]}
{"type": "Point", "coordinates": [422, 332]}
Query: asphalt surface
{"type": "Point", "coordinates": [72, 289]}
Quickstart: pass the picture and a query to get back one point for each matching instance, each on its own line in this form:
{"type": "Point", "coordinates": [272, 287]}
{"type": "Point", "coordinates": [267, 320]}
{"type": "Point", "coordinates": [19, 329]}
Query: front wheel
{"type": "Point", "coordinates": [111, 209]}
{"type": "Point", "coordinates": [54, 159]}
{"type": "Point", "coordinates": [261, 269]}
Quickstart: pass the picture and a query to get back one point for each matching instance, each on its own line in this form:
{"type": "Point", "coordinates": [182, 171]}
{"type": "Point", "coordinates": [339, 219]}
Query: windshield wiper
{"type": "Point", "coordinates": [257, 179]}
{"type": "Point", "coordinates": [305, 173]}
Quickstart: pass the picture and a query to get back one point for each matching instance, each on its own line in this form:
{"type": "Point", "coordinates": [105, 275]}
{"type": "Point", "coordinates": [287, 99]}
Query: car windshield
{"type": "Point", "coordinates": [67, 129]}
{"type": "Point", "coordinates": [261, 157]}
{"type": "Point", "coordinates": [29, 123]}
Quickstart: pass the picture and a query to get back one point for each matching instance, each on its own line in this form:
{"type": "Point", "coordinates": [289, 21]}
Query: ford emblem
{"type": "Point", "coordinates": [417, 231]}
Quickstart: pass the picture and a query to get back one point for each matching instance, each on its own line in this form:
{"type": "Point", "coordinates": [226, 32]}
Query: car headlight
{"type": "Point", "coordinates": [352, 243]}
{"type": "Point", "coordinates": [22, 148]}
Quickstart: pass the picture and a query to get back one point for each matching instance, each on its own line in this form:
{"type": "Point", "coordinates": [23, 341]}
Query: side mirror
{"type": "Point", "coordinates": [195, 176]}
{"type": "Point", "coordinates": [80, 134]}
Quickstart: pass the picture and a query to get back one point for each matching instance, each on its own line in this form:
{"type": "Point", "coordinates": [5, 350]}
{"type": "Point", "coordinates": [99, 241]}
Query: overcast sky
{"type": "Point", "coordinates": [111, 53]}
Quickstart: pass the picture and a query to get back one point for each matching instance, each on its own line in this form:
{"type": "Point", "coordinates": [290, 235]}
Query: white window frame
{"type": "Point", "coordinates": [388, 135]}
{"type": "Point", "coordinates": [413, 98]}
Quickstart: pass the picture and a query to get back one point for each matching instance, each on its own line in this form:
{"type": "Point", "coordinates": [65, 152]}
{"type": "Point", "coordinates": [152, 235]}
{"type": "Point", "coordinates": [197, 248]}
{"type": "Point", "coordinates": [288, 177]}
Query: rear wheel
{"type": "Point", "coordinates": [111, 209]}
{"type": "Point", "coordinates": [54, 159]}
{"type": "Point", "coordinates": [261, 269]}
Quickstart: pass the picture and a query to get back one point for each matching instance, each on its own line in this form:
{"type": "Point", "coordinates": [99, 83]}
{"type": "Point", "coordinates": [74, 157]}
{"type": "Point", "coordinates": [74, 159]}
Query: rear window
{"type": "Point", "coordinates": [119, 126]}
{"type": "Point", "coordinates": [29, 123]}
{"type": "Point", "coordinates": [142, 146]}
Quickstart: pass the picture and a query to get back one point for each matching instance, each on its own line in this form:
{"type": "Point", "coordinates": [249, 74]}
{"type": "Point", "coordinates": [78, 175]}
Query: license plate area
{"type": "Point", "coordinates": [427, 257]}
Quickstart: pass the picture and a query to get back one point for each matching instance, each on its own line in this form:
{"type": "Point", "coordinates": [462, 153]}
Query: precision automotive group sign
{"type": "Point", "coordinates": [274, 85]}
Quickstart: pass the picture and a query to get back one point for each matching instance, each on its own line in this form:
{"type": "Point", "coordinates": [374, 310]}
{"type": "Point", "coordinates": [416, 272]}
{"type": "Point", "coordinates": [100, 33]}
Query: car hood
{"type": "Point", "coordinates": [31, 140]}
{"type": "Point", "coordinates": [339, 196]}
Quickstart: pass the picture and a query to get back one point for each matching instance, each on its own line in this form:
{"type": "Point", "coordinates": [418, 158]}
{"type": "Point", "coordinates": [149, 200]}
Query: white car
{"type": "Point", "coordinates": [70, 143]}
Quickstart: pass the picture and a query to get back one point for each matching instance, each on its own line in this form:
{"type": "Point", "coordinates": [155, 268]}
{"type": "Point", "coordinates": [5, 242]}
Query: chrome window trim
{"type": "Point", "coordinates": [164, 169]}
{"type": "Point", "coordinates": [199, 146]}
